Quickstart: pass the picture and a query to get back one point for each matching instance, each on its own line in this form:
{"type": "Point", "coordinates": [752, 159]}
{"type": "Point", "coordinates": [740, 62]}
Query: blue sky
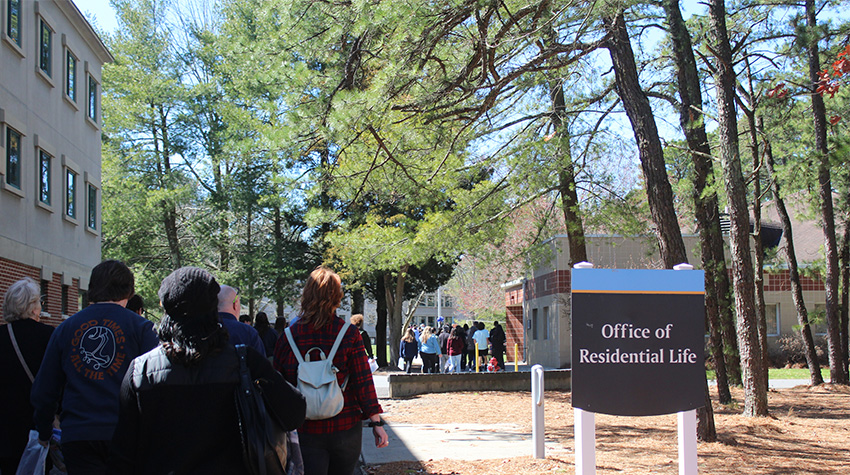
{"type": "Point", "coordinates": [99, 13]}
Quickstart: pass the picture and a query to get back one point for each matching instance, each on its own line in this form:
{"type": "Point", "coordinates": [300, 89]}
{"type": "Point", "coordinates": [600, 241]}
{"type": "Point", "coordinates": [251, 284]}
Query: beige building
{"type": "Point", "coordinates": [50, 144]}
{"type": "Point", "coordinates": [538, 307]}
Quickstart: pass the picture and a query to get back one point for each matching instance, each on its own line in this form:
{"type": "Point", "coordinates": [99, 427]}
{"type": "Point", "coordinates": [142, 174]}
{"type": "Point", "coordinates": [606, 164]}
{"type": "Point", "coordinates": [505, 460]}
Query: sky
{"type": "Point", "coordinates": [99, 13]}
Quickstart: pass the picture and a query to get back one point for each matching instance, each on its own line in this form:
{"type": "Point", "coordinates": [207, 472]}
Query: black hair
{"type": "Point", "coordinates": [111, 281]}
{"type": "Point", "coordinates": [261, 323]}
{"type": "Point", "coordinates": [189, 340]}
{"type": "Point", "coordinates": [136, 303]}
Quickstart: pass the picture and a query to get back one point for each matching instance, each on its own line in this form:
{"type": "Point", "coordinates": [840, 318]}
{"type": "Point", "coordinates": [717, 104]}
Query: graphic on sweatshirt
{"type": "Point", "coordinates": [97, 349]}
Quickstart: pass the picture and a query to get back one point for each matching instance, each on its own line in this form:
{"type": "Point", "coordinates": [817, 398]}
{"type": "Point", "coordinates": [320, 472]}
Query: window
{"type": "Point", "coordinates": [771, 317]}
{"type": "Point", "coordinates": [430, 301]}
{"type": "Point", "coordinates": [13, 158]}
{"type": "Point", "coordinates": [45, 48]}
{"type": "Point", "coordinates": [44, 295]}
{"type": "Point", "coordinates": [13, 20]}
{"type": "Point", "coordinates": [64, 300]}
{"type": "Point", "coordinates": [545, 323]}
{"type": "Point", "coordinates": [534, 324]}
{"type": "Point", "coordinates": [45, 163]}
{"type": "Point", "coordinates": [91, 211]}
{"type": "Point", "coordinates": [70, 193]}
{"type": "Point", "coordinates": [92, 109]}
{"type": "Point", "coordinates": [447, 302]}
{"type": "Point", "coordinates": [70, 76]}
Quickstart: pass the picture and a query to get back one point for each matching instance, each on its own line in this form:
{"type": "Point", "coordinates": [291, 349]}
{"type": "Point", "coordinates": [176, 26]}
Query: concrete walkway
{"type": "Point", "coordinates": [412, 442]}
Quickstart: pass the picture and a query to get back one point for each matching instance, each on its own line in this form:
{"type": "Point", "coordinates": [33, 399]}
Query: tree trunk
{"type": "Point", "coordinates": [845, 294]}
{"type": "Point", "coordinates": [168, 209]}
{"type": "Point", "coordinates": [755, 397]}
{"type": "Point", "coordinates": [761, 321]}
{"type": "Point", "coordinates": [395, 299]}
{"type": "Point", "coordinates": [658, 190]}
{"type": "Point", "coordinates": [705, 201]}
{"type": "Point", "coordinates": [381, 325]}
{"type": "Point", "coordinates": [837, 372]}
{"type": "Point", "coordinates": [794, 274]}
{"type": "Point", "coordinates": [357, 301]}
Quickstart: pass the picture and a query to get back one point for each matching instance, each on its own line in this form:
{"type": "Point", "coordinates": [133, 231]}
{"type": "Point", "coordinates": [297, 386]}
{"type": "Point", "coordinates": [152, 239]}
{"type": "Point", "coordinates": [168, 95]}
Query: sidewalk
{"type": "Point", "coordinates": [412, 442]}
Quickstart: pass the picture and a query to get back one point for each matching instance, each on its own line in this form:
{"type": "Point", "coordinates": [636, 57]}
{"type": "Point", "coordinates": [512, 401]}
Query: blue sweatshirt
{"type": "Point", "coordinates": [431, 346]}
{"type": "Point", "coordinates": [84, 365]}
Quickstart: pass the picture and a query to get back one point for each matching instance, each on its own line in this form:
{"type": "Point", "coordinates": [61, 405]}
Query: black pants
{"type": "Point", "coordinates": [429, 362]}
{"type": "Point", "coordinates": [331, 454]}
{"type": "Point", "coordinates": [499, 354]}
{"type": "Point", "coordinates": [86, 457]}
{"type": "Point", "coordinates": [408, 364]}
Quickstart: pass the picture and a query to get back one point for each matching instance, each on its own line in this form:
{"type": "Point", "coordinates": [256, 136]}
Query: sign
{"type": "Point", "coordinates": [637, 341]}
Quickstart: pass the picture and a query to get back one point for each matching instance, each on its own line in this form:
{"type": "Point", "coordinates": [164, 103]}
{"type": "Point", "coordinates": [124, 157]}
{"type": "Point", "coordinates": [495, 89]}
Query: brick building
{"type": "Point", "coordinates": [50, 136]}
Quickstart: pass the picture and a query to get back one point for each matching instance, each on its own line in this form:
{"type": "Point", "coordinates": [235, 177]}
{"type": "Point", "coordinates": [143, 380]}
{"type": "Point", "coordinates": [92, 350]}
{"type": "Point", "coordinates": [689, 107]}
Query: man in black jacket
{"type": "Point", "coordinates": [497, 341]}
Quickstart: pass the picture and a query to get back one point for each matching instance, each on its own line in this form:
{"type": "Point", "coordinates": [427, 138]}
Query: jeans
{"type": "Point", "coordinates": [454, 363]}
{"type": "Point", "coordinates": [331, 454]}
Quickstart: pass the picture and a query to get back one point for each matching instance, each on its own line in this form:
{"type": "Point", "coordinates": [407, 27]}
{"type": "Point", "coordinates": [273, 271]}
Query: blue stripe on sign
{"type": "Point", "coordinates": [638, 281]}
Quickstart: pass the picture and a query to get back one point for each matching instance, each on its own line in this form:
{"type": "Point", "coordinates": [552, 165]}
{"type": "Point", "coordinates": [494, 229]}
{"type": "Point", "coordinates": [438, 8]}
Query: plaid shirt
{"type": "Point", "coordinates": [361, 402]}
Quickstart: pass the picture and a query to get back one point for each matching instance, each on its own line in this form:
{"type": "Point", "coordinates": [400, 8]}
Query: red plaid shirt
{"type": "Point", "coordinates": [361, 402]}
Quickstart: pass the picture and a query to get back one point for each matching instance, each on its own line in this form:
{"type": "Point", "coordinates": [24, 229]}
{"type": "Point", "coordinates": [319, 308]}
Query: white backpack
{"type": "Point", "coordinates": [317, 380]}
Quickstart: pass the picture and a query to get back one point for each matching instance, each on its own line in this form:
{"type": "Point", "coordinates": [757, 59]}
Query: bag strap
{"type": "Point", "coordinates": [293, 346]}
{"type": "Point", "coordinates": [339, 338]}
{"type": "Point", "coordinates": [18, 352]}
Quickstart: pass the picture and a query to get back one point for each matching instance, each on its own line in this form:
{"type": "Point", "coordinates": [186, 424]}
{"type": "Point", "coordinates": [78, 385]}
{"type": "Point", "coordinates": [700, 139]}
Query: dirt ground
{"type": "Point", "coordinates": [808, 432]}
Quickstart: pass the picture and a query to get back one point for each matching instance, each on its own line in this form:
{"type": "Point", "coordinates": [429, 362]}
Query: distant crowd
{"type": "Point", "coordinates": [452, 348]}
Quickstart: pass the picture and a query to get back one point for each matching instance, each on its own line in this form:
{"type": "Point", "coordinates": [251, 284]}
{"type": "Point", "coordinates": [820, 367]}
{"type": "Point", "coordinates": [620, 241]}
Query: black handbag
{"type": "Point", "coordinates": [264, 441]}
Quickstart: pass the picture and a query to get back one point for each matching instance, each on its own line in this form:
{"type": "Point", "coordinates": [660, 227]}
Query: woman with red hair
{"type": "Point", "coordinates": [332, 446]}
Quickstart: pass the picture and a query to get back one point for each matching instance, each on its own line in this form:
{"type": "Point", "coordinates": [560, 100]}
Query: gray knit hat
{"type": "Point", "coordinates": [188, 292]}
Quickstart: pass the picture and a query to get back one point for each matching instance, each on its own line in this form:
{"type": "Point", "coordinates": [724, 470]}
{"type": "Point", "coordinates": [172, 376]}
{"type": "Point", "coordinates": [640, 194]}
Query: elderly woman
{"type": "Point", "coordinates": [177, 408]}
{"type": "Point", "coordinates": [21, 311]}
{"type": "Point", "coordinates": [332, 446]}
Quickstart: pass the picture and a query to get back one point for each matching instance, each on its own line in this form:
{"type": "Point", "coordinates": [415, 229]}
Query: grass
{"type": "Point", "coordinates": [785, 373]}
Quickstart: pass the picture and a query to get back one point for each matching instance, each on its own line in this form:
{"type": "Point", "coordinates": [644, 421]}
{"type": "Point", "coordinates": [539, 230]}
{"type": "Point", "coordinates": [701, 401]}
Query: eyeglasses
{"type": "Point", "coordinates": [236, 295]}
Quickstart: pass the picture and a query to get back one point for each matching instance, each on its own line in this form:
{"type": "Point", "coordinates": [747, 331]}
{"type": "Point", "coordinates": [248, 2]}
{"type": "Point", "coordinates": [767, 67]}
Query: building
{"type": "Point", "coordinates": [50, 143]}
{"type": "Point", "coordinates": [538, 313]}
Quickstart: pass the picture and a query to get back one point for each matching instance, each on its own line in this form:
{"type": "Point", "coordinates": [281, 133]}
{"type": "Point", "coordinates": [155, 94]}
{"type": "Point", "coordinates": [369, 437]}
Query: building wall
{"type": "Point", "coordinates": [40, 238]}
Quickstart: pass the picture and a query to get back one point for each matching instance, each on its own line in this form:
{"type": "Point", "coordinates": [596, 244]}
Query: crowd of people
{"type": "Point", "coordinates": [452, 348]}
{"type": "Point", "coordinates": [130, 397]}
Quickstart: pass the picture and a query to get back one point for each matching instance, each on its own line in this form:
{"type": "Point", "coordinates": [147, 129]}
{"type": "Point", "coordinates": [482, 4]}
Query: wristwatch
{"type": "Point", "coordinates": [378, 423]}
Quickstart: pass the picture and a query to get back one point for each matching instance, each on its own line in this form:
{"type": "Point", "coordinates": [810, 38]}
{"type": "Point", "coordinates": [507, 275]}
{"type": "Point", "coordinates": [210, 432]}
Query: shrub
{"type": "Point", "coordinates": [790, 351]}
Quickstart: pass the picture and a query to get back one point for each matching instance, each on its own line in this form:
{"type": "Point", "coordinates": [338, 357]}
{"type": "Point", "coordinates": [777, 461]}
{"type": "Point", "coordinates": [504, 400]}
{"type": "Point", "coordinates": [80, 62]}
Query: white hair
{"type": "Point", "coordinates": [20, 299]}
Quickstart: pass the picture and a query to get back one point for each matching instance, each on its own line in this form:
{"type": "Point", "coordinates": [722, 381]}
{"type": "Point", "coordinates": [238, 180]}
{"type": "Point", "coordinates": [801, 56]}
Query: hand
{"type": "Point", "coordinates": [381, 438]}
{"type": "Point", "coordinates": [43, 443]}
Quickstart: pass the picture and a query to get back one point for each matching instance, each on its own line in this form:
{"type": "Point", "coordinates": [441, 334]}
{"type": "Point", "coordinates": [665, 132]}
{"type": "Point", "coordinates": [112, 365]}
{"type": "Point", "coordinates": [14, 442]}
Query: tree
{"type": "Point", "coordinates": [755, 389]}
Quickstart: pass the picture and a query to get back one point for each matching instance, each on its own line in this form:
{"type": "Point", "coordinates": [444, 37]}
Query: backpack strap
{"type": "Point", "coordinates": [339, 338]}
{"type": "Point", "coordinates": [293, 346]}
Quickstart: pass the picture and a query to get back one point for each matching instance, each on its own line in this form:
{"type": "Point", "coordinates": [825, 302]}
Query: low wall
{"type": "Point", "coordinates": [404, 385]}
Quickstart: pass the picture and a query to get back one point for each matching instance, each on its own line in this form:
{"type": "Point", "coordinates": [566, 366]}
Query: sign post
{"type": "Point", "coordinates": [637, 350]}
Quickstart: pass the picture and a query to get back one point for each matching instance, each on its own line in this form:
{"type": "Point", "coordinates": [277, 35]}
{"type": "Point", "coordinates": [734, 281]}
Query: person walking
{"type": "Point", "coordinates": [177, 410]}
{"type": "Point", "coordinates": [429, 351]}
{"type": "Point", "coordinates": [267, 334]}
{"type": "Point", "coordinates": [443, 338]}
{"type": "Point", "coordinates": [408, 349]}
{"type": "Point", "coordinates": [497, 342]}
{"type": "Point", "coordinates": [23, 340]}
{"type": "Point", "coordinates": [471, 364]}
{"type": "Point", "coordinates": [84, 365]}
{"type": "Point", "coordinates": [332, 446]}
{"type": "Point", "coordinates": [482, 340]}
{"type": "Point", "coordinates": [455, 349]}
{"type": "Point", "coordinates": [357, 321]}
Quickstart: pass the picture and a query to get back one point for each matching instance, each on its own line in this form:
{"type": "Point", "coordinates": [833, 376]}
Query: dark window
{"type": "Point", "coordinates": [44, 167]}
{"type": "Point", "coordinates": [45, 49]}
{"type": "Point", "coordinates": [92, 99]}
{"type": "Point", "coordinates": [71, 76]}
{"type": "Point", "coordinates": [13, 158]}
{"type": "Point", "coordinates": [44, 286]}
{"type": "Point", "coordinates": [534, 324]}
{"type": "Point", "coordinates": [64, 300]}
{"type": "Point", "coordinates": [70, 193]}
{"type": "Point", "coordinates": [13, 20]}
{"type": "Point", "coordinates": [91, 215]}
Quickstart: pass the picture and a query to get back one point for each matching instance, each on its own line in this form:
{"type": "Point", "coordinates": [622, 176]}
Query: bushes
{"type": "Point", "coordinates": [790, 351]}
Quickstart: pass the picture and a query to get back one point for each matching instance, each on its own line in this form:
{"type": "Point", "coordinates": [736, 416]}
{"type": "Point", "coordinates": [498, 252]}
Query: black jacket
{"type": "Point", "coordinates": [15, 408]}
{"type": "Point", "coordinates": [180, 420]}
